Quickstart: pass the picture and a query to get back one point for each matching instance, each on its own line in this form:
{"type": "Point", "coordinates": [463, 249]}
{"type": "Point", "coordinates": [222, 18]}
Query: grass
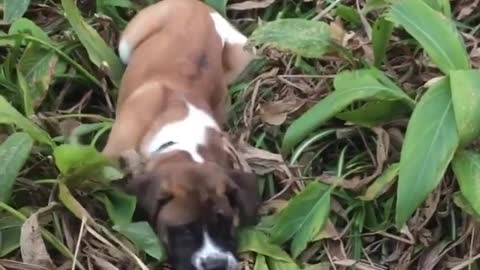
{"type": "Point", "coordinates": [360, 118]}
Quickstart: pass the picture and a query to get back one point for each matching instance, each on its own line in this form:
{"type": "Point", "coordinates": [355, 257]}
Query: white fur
{"type": "Point", "coordinates": [210, 250]}
{"type": "Point", "coordinates": [188, 134]}
{"type": "Point", "coordinates": [124, 51]}
{"type": "Point", "coordinates": [226, 31]}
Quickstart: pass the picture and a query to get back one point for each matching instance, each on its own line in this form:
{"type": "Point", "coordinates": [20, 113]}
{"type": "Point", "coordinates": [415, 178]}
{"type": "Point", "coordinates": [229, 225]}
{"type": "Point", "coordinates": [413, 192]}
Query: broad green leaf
{"type": "Point", "coordinates": [219, 5]}
{"type": "Point", "coordinates": [299, 36]}
{"type": "Point", "coordinates": [26, 94]}
{"type": "Point", "coordinates": [37, 66]}
{"type": "Point", "coordinates": [382, 31]}
{"type": "Point", "coordinates": [143, 236]}
{"type": "Point", "coordinates": [430, 142]}
{"type": "Point", "coordinates": [465, 86]}
{"type": "Point", "coordinates": [120, 206]}
{"type": "Point", "coordinates": [466, 166]}
{"type": "Point", "coordinates": [26, 26]}
{"type": "Point", "coordinates": [436, 33]}
{"type": "Point", "coordinates": [349, 14]}
{"type": "Point", "coordinates": [14, 9]}
{"type": "Point", "coordinates": [9, 115]}
{"type": "Point", "coordinates": [71, 157]}
{"type": "Point", "coordinates": [274, 264]}
{"type": "Point", "coordinates": [375, 113]}
{"type": "Point", "coordinates": [260, 263]}
{"type": "Point", "coordinates": [14, 153]}
{"type": "Point", "coordinates": [72, 204]}
{"type": "Point", "coordinates": [350, 86]}
{"type": "Point", "coordinates": [303, 218]}
{"type": "Point", "coordinates": [80, 163]}
{"type": "Point", "coordinates": [381, 183]}
{"type": "Point", "coordinates": [9, 240]}
{"type": "Point", "coordinates": [441, 6]}
{"type": "Point", "coordinates": [99, 52]}
{"type": "Point", "coordinates": [461, 202]}
{"type": "Point", "coordinates": [258, 242]}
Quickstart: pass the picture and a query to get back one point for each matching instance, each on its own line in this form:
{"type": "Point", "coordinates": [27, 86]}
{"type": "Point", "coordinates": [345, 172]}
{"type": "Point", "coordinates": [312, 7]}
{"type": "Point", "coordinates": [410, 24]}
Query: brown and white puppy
{"type": "Point", "coordinates": [181, 56]}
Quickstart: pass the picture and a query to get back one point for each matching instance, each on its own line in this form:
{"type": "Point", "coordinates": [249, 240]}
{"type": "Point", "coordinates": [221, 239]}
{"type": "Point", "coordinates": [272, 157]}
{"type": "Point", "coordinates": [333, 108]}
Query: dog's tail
{"type": "Point", "coordinates": [145, 23]}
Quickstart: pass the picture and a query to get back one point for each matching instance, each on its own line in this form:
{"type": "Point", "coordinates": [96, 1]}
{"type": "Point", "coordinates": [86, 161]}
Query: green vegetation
{"type": "Point", "coordinates": [361, 120]}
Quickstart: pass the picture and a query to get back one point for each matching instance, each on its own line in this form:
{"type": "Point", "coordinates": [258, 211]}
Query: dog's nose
{"type": "Point", "coordinates": [215, 264]}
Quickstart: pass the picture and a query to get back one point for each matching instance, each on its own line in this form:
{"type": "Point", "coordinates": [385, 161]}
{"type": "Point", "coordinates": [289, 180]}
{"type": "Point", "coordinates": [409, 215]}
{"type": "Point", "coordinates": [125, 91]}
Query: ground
{"type": "Point", "coordinates": [360, 119]}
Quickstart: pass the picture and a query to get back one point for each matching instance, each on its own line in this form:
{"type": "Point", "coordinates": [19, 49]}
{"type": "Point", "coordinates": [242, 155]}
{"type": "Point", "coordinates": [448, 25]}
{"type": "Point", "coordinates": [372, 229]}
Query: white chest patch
{"type": "Point", "coordinates": [209, 250]}
{"type": "Point", "coordinates": [226, 31]}
{"type": "Point", "coordinates": [186, 134]}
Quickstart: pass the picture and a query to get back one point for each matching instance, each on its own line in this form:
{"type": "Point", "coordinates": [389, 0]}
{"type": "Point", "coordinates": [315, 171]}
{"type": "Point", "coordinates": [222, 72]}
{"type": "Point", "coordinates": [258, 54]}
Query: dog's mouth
{"type": "Point", "coordinates": [195, 246]}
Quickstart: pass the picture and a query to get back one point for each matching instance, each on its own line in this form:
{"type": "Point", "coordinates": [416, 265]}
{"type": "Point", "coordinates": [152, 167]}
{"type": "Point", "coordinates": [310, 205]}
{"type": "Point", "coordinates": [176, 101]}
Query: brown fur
{"type": "Point", "coordinates": [177, 57]}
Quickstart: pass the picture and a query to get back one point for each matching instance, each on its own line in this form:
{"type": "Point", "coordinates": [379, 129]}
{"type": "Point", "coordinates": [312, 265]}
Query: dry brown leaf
{"type": "Point", "coordinates": [467, 8]}
{"type": "Point", "coordinates": [275, 113]}
{"type": "Point", "coordinates": [338, 31]}
{"type": "Point", "coordinates": [246, 5]}
{"type": "Point", "coordinates": [103, 264]}
{"type": "Point", "coordinates": [14, 265]}
{"type": "Point", "coordinates": [263, 162]}
{"type": "Point", "coordinates": [32, 246]}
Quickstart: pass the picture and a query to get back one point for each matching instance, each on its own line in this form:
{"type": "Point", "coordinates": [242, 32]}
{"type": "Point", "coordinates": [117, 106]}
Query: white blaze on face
{"type": "Point", "coordinates": [209, 250]}
{"type": "Point", "coordinates": [187, 134]}
{"type": "Point", "coordinates": [226, 31]}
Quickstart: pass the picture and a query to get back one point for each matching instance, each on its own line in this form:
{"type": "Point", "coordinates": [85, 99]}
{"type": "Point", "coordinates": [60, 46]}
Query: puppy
{"type": "Point", "coordinates": [181, 56]}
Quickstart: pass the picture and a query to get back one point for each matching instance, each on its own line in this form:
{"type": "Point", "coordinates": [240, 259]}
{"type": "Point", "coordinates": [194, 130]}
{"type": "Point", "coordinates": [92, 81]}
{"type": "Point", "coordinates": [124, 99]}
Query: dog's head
{"type": "Point", "coordinates": [196, 210]}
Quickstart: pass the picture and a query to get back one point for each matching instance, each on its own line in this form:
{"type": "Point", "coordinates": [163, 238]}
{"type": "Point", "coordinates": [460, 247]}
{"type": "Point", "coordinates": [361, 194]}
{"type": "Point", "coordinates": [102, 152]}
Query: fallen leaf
{"type": "Point", "coordinates": [261, 161]}
{"type": "Point", "coordinates": [246, 5]}
{"type": "Point", "coordinates": [103, 264]}
{"type": "Point", "coordinates": [275, 113]}
{"type": "Point", "coordinates": [32, 246]}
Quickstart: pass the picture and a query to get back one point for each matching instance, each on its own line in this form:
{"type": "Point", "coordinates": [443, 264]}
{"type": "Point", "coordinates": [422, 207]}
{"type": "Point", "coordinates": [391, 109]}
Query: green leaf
{"type": "Point", "coordinates": [260, 263]}
{"type": "Point", "coordinates": [79, 163]}
{"type": "Point", "coordinates": [258, 242]}
{"type": "Point", "coordinates": [299, 36]}
{"type": "Point", "coordinates": [72, 204]}
{"type": "Point", "coordinates": [381, 183]}
{"type": "Point", "coordinates": [120, 206]}
{"type": "Point", "coordinates": [466, 166]}
{"type": "Point", "coordinates": [143, 236]}
{"type": "Point", "coordinates": [349, 14]}
{"type": "Point", "coordinates": [219, 5]}
{"type": "Point", "coordinates": [303, 218]}
{"type": "Point", "coordinates": [26, 26]}
{"type": "Point", "coordinates": [9, 115]}
{"type": "Point", "coordinates": [465, 86]}
{"type": "Point", "coordinates": [350, 86]}
{"type": "Point", "coordinates": [375, 113]}
{"type": "Point", "coordinates": [99, 52]}
{"type": "Point", "coordinates": [430, 142]}
{"type": "Point", "coordinates": [441, 6]}
{"type": "Point", "coordinates": [461, 202]}
{"type": "Point", "coordinates": [14, 153]}
{"type": "Point", "coordinates": [14, 9]}
{"type": "Point", "coordinates": [436, 33]}
{"type": "Point", "coordinates": [382, 31]}
{"type": "Point", "coordinates": [9, 240]}
{"type": "Point", "coordinates": [37, 66]}
{"type": "Point", "coordinates": [26, 94]}
{"type": "Point", "coordinates": [281, 265]}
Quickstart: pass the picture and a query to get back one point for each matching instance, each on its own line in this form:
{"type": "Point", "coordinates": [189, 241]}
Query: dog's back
{"type": "Point", "coordinates": [179, 46]}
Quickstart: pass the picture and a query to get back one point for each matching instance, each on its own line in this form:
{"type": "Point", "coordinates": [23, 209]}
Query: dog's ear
{"type": "Point", "coordinates": [245, 195]}
{"type": "Point", "coordinates": [149, 192]}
